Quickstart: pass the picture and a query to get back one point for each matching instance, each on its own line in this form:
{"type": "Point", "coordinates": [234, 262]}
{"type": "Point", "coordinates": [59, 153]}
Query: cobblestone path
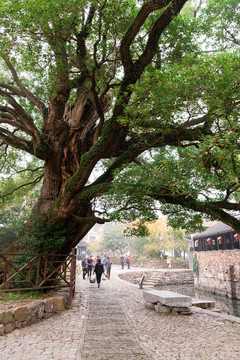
{"type": "Point", "coordinates": [109, 335]}
{"type": "Point", "coordinates": [56, 338]}
{"type": "Point", "coordinates": [111, 323]}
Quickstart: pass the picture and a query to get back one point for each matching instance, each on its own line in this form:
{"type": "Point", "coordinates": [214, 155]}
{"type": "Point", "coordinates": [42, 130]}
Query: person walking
{"type": "Point", "coordinates": [94, 263]}
{"type": "Point", "coordinates": [122, 261]}
{"type": "Point", "coordinates": [108, 267]}
{"type": "Point", "coordinates": [99, 270]}
{"type": "Point", "coordinates": [168, 263]}
{"type": "Point", "coordinates": [128, 261]}
{"type": "Point", "coordinates": [90, 266]}
{"type": "Point", "coordinates": [104, 260]}
{"type": "Point", "coordinates": [84, 265]}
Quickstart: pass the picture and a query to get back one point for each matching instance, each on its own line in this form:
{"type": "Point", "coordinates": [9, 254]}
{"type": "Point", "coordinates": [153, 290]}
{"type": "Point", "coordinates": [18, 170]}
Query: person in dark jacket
{"type": "Point", "coordinates": [90, 266]}
{"type": "Point", "coordinates": [84, 267]}
{"type": "Point", "coordinates": [122, 260]}
{"type": "Point", "coordinates": [99, 270]}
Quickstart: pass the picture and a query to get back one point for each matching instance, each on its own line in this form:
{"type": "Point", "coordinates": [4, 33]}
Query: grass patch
{"type": "Point", "coordinates": [21, 296]}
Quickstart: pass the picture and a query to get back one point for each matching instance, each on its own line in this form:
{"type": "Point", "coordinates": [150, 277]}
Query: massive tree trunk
{"type": "Point", "coordinates": [68, 141]}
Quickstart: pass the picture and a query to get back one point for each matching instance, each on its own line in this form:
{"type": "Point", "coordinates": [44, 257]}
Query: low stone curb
{"type": "Point", "coordinates": [25, 315]}
{"type": "Point", "coordinates": [226, 317]}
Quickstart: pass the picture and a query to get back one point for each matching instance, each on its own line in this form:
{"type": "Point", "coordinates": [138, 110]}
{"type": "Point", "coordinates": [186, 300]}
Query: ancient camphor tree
{"type": "Point", "coordinates": [75, 92]}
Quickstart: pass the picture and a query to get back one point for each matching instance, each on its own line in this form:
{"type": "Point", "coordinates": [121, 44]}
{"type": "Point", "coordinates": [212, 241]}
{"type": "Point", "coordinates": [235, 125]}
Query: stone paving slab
{"type": "Point", "coordinates": [108, 333]}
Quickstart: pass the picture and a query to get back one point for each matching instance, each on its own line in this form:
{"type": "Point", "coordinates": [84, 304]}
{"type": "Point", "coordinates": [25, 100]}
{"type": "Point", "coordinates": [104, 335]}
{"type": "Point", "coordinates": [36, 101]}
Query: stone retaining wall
{"type": "Point", "coordinates": [25, 315]}
{"type": "Point", "coordinates": [155, 264]}
{"type": "Point", "coordinates": [168, 277]}
{"type": "Point", "coordinates": [219, 272]}
{"type": "Point", "coordinates": [183, 276]}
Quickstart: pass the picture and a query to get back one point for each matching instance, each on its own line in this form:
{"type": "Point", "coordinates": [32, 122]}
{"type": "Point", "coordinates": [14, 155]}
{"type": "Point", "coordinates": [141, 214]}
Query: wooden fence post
{"type": "Point", "coordinates": [72, 277]}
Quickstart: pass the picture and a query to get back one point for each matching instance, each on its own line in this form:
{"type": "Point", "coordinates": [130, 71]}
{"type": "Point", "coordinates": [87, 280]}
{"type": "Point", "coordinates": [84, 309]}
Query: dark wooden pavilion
{"type": "Point", "coordinates": [217, 237]}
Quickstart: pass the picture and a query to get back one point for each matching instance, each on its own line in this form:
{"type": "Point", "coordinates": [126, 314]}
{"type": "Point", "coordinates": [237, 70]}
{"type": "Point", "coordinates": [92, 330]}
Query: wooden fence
{"type": "Point", "coordinates": [38, 272]}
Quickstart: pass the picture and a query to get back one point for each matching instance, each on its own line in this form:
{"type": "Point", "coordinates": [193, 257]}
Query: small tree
{"type": "Point", "coordinates": [138, 245]}
{"type": "Point", "coordinates": [152, 248]}
{"type": "Point", "coordinates": [114, 240]}
{"type": "Point", "coordinates": [93, 247]}
{"type": "Point", "coordinates": [178, 240]}
{"type": "Point", "coordinates": [161, 239]}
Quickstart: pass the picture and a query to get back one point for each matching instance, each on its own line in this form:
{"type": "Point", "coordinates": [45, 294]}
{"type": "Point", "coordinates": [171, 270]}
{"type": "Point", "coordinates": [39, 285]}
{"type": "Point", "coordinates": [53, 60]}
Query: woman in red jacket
{"type": "Point", "coordinates": [128, 261]}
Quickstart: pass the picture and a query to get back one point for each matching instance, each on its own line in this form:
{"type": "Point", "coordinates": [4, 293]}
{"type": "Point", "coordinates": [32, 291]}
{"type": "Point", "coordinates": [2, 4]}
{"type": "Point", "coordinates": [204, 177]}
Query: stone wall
{"type": "Point", "coordinates": [154, 264]}
{"type": "Point", "coordinates": [25, 315]}
{"type": "Point", "coordinates": [219, 272]}
{"type": "Point", "coordinates": [167, 277]}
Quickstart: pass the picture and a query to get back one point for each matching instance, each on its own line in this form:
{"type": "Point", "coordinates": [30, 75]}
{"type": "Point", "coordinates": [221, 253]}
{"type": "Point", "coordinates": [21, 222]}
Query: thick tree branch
{"type": "Point", "coordinates": [12, 90]}
{"type": "Point", "coordinates": [134, 29]}
{"type": "Point", "coordinates": [160, 25]}
{"type": "Point", "coordinates": [193, 122]}
{"type": "Point", "coordinates": [9, 139]}
{"type": "Point", "coordinates": [31, 97]}
{"type": "Point", "coordinates": [10, 116]}
{"type": "Point", "coordinates": [95, 46]}
{"type": "Point", "coordinates": [87, 219]}
{"type": "Point", "coordinates": [21, 114]}
{"type": "Point", "coordinates": [133, 149]}
{"type": "Point", "coordinates": [134, 71]}
{"type": "Point", "coordinates": [171, 135]}
{"type": "Point", "coordinates": [81, 38]}
{"type": "Point", "coordinates": [211, 208]}
{"type": "Point", "coordinates": [8, 120]}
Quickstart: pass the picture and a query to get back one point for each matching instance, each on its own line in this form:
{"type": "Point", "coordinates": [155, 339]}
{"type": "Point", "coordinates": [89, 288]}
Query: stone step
{"type": "Point", "coordinates": [148, 284]}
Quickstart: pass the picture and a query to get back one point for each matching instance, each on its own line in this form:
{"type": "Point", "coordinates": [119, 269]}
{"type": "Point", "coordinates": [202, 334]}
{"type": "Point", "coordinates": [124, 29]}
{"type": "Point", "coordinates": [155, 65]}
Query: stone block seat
{"type": "Point", "coordinates": [164, 301]}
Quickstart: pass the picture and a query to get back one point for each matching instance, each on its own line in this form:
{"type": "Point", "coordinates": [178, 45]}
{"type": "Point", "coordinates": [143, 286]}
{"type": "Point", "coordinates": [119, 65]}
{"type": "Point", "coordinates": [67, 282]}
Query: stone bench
{"type": "Point", "coordinates": [167, 298]}
{"type": "Point", "coordinates": [165, 301]}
